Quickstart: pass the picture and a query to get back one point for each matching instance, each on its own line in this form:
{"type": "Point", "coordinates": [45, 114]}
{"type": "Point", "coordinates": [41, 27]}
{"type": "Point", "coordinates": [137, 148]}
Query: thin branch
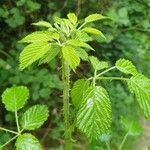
{"type": "Point", "coordinates": [17, 122]}
{"type": "Point", "coordinates": [107, 70]}
{"type": "Point", "coordinates": [7, 130]}
{"type": "Point", "coordinates": [10, 141]}
{"type": "Point", "coordinates": [113, 78]}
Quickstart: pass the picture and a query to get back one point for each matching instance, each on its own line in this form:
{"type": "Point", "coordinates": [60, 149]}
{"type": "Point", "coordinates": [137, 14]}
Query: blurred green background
{"type": "Point", "coordinates": [128, 36]}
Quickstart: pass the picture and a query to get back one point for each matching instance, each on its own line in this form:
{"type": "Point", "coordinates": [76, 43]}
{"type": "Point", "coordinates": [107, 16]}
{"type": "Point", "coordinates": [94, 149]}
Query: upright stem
{"type": "Point", "coordinates": [66, 88]}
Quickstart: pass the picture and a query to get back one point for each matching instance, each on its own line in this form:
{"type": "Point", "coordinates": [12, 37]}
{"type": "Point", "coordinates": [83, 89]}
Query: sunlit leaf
{"type": "Point", "coordinates": [39, 36]}
{"type": "Point", "coordinates": [27, 142]}
{"type": "Point", "coordinates": [32, 53]}
{"type": "Point", "coordinates": [15, 97]}
{"type": "Point", "coordinates": [94, 115]}
{"type": "Point", "coordinates": [43, 24]}
{"type": "Point", "coordinates": [94, 17]}
{"type": "Point", "coordinates": [98, 65]}
{"type": "Point", "coordinates": [34, 117]}
{"type": "Point", "coordinates": [71, 56]}
{"type": "Point", "coordinates": [140, 86]}
{"type": "Point", "coordinates": [77, 92]}
{"type": "Point", "coordinates": [72, 17]}
{"type": "Point", "coordinates": [93, 31]}
{"type": "Point", "coordinates": [126, 66]}
{"type": "Point", "coordinates": [79, 44]}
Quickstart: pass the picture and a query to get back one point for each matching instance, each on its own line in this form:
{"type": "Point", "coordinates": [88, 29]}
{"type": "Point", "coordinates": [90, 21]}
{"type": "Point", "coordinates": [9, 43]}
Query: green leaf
{"type": "Point", "coordinates": [77, 91]}
{"type": "Point", "coordinates": [94, 17]}
{"type": "Point", "coordinates": [43, 24]}
{"type": "Point", "coordinates": [98, 65]}
{"type": "Point", "coordinates": [15, 97]}
{"type": "Point", "coordinates": [131, 126]}
{"type": "Point", "coordinates": [126, 66]}
{"type": "Point", "coordinates": [78, 43]}
{"type": "Point", "coordinates": [34, 117]}
{"type": "Point", "coordinates": [93, 31]}
{"type": "Point", "coordinates": [39, 36]}
{"type": "Point", "coordinates": [51, 54]}
{"type": "Point", "coordinates": [82, 53]}
{"type": "Point", "coordinates": [32, 53]}
{"type": "Point", "coordinates": [94, 115]}
{"type": "Point", "coordinates": [73, 18]}
{"type": "Point", "coordinates": [68, 23]}
{"type": "Point", "coordinates": [140, 86]}
{"type": "Point", "coordinates": [71, 56]}
{"type": "Point", "coordinates": [82, 36]}
{"type": "Point", "coordinates": [0, 147]}
{"type": "Point", "coordinates": [27, 142]}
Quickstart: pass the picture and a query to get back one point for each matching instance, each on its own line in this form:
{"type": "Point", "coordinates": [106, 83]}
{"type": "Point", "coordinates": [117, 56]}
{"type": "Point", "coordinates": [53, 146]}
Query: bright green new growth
{"type": "Point", "coordinates": [68, 38]}
{"type": "Point", "coordinates": [14, 99]}
{"type": "Point", "coordinates": [67, 35]}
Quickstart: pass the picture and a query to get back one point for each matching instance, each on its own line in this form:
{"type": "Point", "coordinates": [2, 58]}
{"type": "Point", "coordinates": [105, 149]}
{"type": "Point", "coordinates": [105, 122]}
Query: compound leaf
{"type": "Point", "coordinates": [15, 97]}
{"type": "Point", "coordinates": [126, 66]}
{"type": "Point", "coordinates": [71, 56]}
{"type": "Point", "coordinates": [27, 142]}
{"type": "Point", "coordinates": [94, 115]}
{"type": "Point", "coordinates": [140, 86]}
{"type": "Point", "coordinates": [34, 117]}
{"type": "Point", "coordinates": [77, 91]}
{"type": "Point", "coordinates": [32, 53]}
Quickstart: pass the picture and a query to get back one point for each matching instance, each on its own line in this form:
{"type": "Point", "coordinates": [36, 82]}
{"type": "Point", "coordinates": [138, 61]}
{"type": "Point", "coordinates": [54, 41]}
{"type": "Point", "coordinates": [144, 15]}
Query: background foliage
{"type": "Point", "coordinates": [127, 34]}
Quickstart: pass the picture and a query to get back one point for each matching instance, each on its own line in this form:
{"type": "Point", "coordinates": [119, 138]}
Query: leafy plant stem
{"type": "Point", "coordinates": [123, 141]}
{"type": "Point", "coordinates": [10, 140]}
{"type": "Point", "coordinates": [66, 88]}
{"type": "Point", "coordinates": [7, 130]}
{"type": "Point", "coordinates": [107, 70]}
{"type": "Point", "coordinates": [107, 145]}
{"type": "Point", "coordinates": [17, 122]}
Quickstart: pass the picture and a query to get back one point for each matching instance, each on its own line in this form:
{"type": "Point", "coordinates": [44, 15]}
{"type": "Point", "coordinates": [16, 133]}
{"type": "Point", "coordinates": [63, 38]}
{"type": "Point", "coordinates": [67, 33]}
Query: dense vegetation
{"type": "Point", "coordinates": [126, 36]}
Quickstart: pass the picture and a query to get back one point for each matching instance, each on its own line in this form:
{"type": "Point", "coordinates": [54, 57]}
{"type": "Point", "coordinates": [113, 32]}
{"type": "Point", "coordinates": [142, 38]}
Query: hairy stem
{"type": "Point", "coordinates": [123, 141]}
{"type": "Point", "coordinates": [17, 122]}
{"type": "Point", "coordinates": [66, 88]}
{"type": "Point", "coordinates": [7, 130]}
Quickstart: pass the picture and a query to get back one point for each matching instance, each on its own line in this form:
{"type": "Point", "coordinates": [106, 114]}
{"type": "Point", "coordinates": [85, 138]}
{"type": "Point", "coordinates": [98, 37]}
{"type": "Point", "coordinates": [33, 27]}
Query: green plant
{"type": "Point", "coordinates": [14, 99]}
{"type": "Point", "coordinates": [68, 39]}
